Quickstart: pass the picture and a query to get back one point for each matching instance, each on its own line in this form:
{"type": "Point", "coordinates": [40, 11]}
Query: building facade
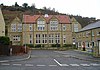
{"type": "Point", "coordinates": [89, 36]}
{"type": "Point", "coordinates": [76, 26]}
{"type": "Point", "coordinates": [41, 29]}
{"type": "Point", "coordinates": [15, 31]}
{"type": "Point", "coordinates": [2, 24]}
{"type": "Point", "coordinates": [47, 30]}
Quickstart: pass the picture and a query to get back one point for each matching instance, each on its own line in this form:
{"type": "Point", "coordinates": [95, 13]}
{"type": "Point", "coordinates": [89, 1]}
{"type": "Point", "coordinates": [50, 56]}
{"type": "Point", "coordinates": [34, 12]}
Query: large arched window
{"type": "Point", "coordinates": [54, 24]}
{"type": "Point", "coordinates": [40, 24]}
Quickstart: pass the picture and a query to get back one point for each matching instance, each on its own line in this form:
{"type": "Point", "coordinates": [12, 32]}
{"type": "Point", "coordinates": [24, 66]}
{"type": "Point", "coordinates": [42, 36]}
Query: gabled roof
{"type": "Point", "coordinates": [32, 19]}
{"type": "Point", "coordinates": [11, 15]}
{"type": "Point", "coordinates": [91, 26]}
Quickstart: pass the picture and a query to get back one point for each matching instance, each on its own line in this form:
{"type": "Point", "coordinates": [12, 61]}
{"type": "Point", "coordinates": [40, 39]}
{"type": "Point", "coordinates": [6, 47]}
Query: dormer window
{"type": "Point", "coordinates": [54, 25]}
{"type": "Point", "coordinates": [40, 24]}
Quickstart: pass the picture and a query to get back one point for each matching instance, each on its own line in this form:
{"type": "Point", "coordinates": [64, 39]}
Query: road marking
{"type": "Point", "coordinates": [58, 62]}
{"type": "Point", "coordinates": [41, 65]}
{"type": "Point", "coordinates": [94, 64]}
{"type": "Point", "coordinates": [5, 64]}
{"type": "Point", "coordinates": [29, 65]}
{"type": "Point", "coordinates": [64, 65]}
{"type": "Point", "coordinates": [52, 65]}
{"type": "Point", "coordinates": [85, 64]}
{"type": "Point", "coordinates": [17, 64]}
{"type": "Point", "coordinates": [74, 64]}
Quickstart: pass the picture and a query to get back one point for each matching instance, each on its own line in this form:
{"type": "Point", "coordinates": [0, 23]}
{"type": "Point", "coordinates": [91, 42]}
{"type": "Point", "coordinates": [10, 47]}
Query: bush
{"type": "Point", "coordinates": [4, 40]}
{"type": "Point", "coordinates": [30, 45]}
{"type": "Point", "coordinates": [38, 46]}
{"type": "Point", "coordinates": [42, 46]}
{"type": "Point", "coordinates": [55, 45]}
{"type": "Point", "coordinates": [67, 45]}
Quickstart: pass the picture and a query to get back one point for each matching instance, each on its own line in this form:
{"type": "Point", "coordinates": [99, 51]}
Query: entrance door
{"type": "Point", "coordinates": [99, 47]}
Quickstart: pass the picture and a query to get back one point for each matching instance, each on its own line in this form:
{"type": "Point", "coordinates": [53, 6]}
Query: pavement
{"type": "Point", "coordinates": [14, 57]}
{"type": "Point", "coordinates": [82, 55]}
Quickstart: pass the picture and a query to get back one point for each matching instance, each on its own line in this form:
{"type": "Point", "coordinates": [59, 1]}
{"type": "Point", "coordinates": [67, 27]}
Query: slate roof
{"type": "Point", "coordinates": [91, 26]}
{"type": "Point", "coordinates": [32, 19]}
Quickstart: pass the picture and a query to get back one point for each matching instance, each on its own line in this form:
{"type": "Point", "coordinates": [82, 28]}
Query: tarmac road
{"type": "Point", "coordinates": [53, 60]}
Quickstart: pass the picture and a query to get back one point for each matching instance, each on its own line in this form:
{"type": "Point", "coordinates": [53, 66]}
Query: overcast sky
{"type": "Point", "coordinates": [85, 8]}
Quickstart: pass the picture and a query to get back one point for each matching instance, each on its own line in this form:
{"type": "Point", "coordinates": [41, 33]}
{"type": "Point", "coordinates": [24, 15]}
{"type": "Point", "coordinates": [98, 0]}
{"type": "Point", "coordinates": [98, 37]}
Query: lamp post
{"type": "Point", "coordinates": [25, 29]}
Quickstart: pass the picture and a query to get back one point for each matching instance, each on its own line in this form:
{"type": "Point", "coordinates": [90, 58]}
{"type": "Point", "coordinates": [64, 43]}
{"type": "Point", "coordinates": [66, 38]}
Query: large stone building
{"type": "Point", "coordinates": [41, 29]}
{"type": "Point", "coordinates": [2, 24]}
{"type": "Point", "coordinates": [89, 36]}
{"type": "Point", "coordinates": [76, 26]}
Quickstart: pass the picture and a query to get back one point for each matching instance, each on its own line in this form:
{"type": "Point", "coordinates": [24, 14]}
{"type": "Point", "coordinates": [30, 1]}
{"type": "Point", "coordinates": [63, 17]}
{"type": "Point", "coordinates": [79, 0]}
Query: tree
{"type": "Point", "coordinates": [33, 6]}
{"type": "Point", "coordinates": [2, 4]}
{"type": "Point", "coordinates": [16, 5]}
{"type": "Point", "coordinates": [4, 40]}
{"type": "Point", "coordinates": [25, 5]}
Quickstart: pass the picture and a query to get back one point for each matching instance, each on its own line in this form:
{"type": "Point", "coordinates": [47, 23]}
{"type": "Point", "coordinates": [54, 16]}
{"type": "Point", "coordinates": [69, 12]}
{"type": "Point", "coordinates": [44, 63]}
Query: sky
{"type": "Point", "coordinates": [85, 8]}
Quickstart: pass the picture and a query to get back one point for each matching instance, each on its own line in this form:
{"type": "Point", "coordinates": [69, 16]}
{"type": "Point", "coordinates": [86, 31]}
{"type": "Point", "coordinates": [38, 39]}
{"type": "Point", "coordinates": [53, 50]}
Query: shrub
{"type": "Point", "coordinates": [38, 46]}
{"type": "Point", "coordinates": [55, 45]}
{"type": "Point", "coordinates": [30, 45]}
{"type": "Point", "coordinates": [4, 40]}
{"type": "Point", "coordinates": [42, 46]}
{"type": "Point", "coordinates": [67, 45]}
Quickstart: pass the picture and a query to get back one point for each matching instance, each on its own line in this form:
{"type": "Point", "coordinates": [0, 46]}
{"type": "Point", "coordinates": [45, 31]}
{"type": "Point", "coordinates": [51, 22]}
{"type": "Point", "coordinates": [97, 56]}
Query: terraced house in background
{"type": "Point", "coordinates": [2, 24]}
{"type": "Point", "coordinates": [89, 36]}
{"type": "Point", "coordinates": [41, 29]}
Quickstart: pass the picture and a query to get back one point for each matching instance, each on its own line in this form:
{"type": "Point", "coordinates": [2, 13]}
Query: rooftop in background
{"type": "Point", "coordinates": [91, 26]}
{"type": "Point", "coordinates": [32, 19]}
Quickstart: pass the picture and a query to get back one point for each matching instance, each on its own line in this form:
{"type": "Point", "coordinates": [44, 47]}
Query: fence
{"type": "Point", "coordinates": [12, 50]}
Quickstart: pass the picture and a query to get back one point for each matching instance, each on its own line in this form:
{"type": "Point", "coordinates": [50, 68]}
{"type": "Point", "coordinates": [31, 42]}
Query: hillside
{"type": "Point", "coordinates": [18, 11]}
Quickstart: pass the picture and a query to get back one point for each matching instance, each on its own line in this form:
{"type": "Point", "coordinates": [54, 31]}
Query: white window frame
{"type": "Point", "coordinates": [30, 27]}
{"type": "Point", "coordinates": [16, 38]}
{"type": "Point", "coordinates": [64, 39]}
{"type": "Point", "coordinates": [76, 27]}
{"type": "Point", "coordinates": [38, 40]}
{"type": "Point", "coordinates": [19, 27]}
{"type": "Point", "coordinates": [40, 25]}
{"type": "Point", "coordinates": [53, 25]}
{"type": "Point", "coordinates": [64, 27]}
{"type": "Point", "coordinates": [13, 27]}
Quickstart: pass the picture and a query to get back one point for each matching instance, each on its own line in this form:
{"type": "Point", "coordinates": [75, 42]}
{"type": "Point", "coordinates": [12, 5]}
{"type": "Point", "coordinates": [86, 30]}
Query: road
{"type": "Point", "coordinates": [51, 60]}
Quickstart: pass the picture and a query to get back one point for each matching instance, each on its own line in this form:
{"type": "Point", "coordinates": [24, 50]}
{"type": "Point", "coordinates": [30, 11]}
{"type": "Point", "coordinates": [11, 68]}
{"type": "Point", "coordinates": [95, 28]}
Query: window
{"type": "Point", "coordinates": [13, 27]}
{"type": "Point", "coordinates": [31, 27]}
{"type": "Point", "coordinates": [87, 34]}
{"type": "Point", "coordinates": [30, 41]}
{"type": "Point", "coordinates": [40, 24]}
{"type": "Point", "coordinates": [38, 38]}
{"type": "Point", "coordinates": [84, 34]}
{"type": "Point", "coordinates": [57, 38]}
{"type": "Point", "coordinates": [75, 27]}
{"type": "Point", "coordinates": [92, 33]}
{"type": "Point", "coordinates": [16, 38]}
{"type": "Point", "coordinates": [19, 27]}
{"type": "Point", "coordinates": [51, 38]}
{"type": "Point", "coordinates": [64, 39]}
{"type": "Point", "coordinates": [31, 38]}
{"type": "Point", "coordinates": [54, 25]}
{"type": "Point", "coordinates": [98, 33]}
{"type": "Point", "coordinates": [44, 38]}
{"type": "Point", "coordinates": [64, 27]}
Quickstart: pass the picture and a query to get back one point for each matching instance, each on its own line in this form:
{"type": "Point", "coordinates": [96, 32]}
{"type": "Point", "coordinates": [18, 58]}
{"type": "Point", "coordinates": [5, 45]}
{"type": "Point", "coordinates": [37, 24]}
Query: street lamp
{"type": "Point", "coordinates": [25, 37]}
